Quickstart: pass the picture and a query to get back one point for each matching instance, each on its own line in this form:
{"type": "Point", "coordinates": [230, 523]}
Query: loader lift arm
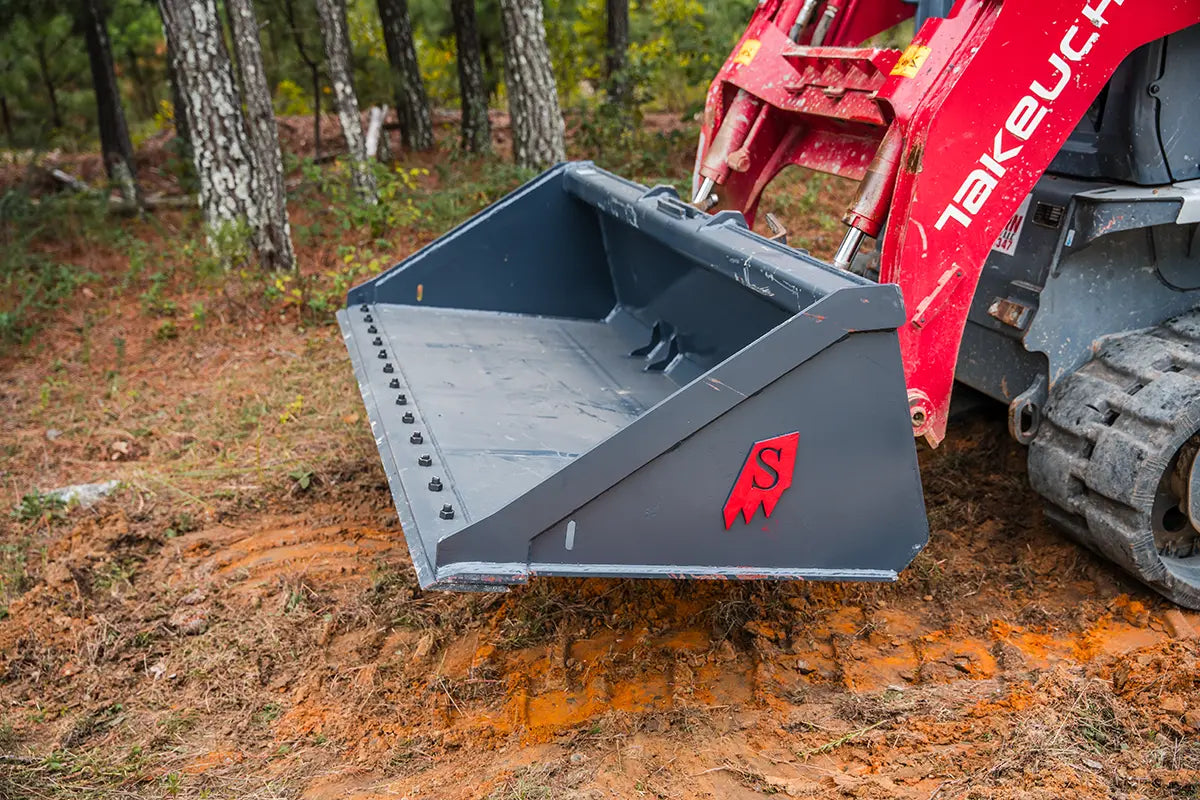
{"type": "Point", "coordinates": [957, 132]}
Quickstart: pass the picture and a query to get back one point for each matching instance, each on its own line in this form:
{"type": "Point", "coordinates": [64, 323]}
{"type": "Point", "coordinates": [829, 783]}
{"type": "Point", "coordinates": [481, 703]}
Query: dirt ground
{"type": "Point", "coordinates": [240, 619]}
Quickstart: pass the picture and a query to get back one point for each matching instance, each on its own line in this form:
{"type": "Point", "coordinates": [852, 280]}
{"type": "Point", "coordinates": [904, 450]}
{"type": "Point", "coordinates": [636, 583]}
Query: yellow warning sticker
{"type": "Point", "coordinates": [910, 62]}
{"type": "Point", "coordinates": [747, 51]}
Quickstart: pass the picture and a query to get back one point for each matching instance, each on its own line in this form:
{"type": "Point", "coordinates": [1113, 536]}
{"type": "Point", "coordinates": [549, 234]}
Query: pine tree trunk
{"type": "Point", "coordinates": [314, 73]}
{"type": "Point", "coordinates": [476, 128]}
{"type": "Point", "coordinates": [412, 104]}
{"type": "Point", "coordinates": [4, 112]}
{"type": "Point", "coordinates": [48, 82]}
{"type": "Point", "coordinates": [537, 122]}
{"type": "Point", "coordinates": [115, 146]}
{"type": "Point", "coordinates": [337, 58]}
{"type": "Point", "coordinates": [616, 58]}
{"type": "Point", "coordinates": [263, 136]}
{"type": "Point", "coordinates": [221, 152]}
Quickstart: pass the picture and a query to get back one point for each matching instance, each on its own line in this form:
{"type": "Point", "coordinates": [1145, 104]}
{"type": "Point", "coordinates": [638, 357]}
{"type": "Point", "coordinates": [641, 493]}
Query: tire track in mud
{"type": "Point", "coordinates": [280, 548]}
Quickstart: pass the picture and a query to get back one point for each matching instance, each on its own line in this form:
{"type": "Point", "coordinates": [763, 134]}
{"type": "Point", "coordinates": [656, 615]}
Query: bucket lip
{"type": "Point", "coordinates": [490, 573]}
{"type": "Point", "coordinates": [421, 560]}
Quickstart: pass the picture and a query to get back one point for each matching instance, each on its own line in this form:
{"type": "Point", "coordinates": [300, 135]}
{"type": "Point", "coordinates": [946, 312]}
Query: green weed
{"type": "Point", "coordinates": [114, 574]}
{"type": "Point", "coordinates": [38, 506]}
{"type": "Point", "coordinates": [336, 196]}
{"type": "Point", "coordinates": [268, 713]}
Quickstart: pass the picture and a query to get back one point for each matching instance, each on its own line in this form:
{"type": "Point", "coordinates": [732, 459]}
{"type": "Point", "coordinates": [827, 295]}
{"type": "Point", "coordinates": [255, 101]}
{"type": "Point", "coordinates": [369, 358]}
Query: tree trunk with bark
{"type": "Point", "coordinates": [616, 57]}
{"type": "Point", "coordinates": [476, 127]}
{"type": "Point", "coordinates": [4, 113]}
{"type": "Point", "coordinates": [263, 136]}
{"type": "Point", "coordinates": [337, 59]}
{"type": "Point", "coordinates": [537, 121]}
{"type": "Point", "coordinates": [39, 48]}
{"type": "Point", "coordinates": [412, 104]}
{"type": "Point", "coordinates": [116, 149]}
{"type": "Point", "coordinates": [221, 152]}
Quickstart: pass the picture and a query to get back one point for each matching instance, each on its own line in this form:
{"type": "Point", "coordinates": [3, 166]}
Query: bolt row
{"type": "Point", "coordinates": [425, 459]}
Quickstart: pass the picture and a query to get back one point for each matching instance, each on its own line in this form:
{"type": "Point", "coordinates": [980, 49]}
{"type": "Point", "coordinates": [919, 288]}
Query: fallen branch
{"type": "Point", "coordinates": [374, 131]}
{"type": "Point", "coordinates": [4, 759]}
{"type": "Point", "coordinates": [69, 181]}
{"type": "Point", "coordinates": [154, 203]}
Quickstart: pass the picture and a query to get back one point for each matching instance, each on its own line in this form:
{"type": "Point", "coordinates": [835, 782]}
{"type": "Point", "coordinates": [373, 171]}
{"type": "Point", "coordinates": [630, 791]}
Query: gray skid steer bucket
{"type": "Point", "coordinates": [592, 379]}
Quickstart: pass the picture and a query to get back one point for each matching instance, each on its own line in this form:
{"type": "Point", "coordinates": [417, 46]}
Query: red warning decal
{"type": "Point", "coordinates": [765, 476]}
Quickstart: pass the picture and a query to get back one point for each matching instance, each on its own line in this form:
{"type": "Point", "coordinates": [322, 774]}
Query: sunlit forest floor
{"type": "Point", "coordinates": [240, 618]}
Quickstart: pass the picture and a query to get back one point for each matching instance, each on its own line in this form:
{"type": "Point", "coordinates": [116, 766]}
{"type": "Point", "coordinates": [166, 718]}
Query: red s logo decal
{"type": "Point", "coordinates": [765, 476]}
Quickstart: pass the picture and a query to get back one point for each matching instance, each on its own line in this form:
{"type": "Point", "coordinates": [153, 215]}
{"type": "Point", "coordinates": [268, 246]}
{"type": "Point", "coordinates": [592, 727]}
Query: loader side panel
{"type": "Point", "coordinates": [826, 523]}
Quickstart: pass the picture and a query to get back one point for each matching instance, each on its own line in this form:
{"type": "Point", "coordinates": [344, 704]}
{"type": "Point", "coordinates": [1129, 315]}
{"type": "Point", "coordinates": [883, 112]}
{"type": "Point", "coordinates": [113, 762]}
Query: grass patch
{"type": "Point", "coordinates": [8, 736]}
{"type": "Point", "coordinates": [33, 283]}
{"type": "Point", "coordinates": [36, 506]}
{"type": "Point", "coordinates": [14, 574]}
{"type": "Point", "coordinates": [529, 783]}
{"type": "Point", "coordinates": [70, 774]}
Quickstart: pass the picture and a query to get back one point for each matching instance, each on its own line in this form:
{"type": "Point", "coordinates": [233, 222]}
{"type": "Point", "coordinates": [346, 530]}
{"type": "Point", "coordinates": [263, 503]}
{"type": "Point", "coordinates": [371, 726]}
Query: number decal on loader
{"type": "Point", "coordinates": [765, 476]}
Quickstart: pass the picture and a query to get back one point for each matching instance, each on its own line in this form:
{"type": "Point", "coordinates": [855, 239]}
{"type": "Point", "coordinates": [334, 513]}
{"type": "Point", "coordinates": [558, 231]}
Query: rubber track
{"type": "Point", "coordinates": [1109, 432]}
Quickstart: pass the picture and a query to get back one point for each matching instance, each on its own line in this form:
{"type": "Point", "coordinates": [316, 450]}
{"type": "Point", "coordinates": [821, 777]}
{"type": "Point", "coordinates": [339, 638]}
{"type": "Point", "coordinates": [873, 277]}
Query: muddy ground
{"type": "Point", "coordinates": [241, 619]}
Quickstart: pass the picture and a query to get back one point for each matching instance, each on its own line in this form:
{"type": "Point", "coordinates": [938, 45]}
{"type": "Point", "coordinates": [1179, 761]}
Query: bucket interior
{"type": "Point", "coordinates": [546, 325]}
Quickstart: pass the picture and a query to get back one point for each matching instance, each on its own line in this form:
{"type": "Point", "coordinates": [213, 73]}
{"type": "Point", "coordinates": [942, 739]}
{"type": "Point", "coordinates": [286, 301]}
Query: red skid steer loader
{"type": "Point", "coordinates": [590, 378]}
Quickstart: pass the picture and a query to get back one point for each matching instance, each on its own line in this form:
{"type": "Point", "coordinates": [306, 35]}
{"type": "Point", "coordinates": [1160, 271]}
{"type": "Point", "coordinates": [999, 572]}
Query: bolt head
{"type": "Point", "coordinates": [425, 460]}
{"type": "Point", "coordinates": [447, 511]}
{"type": "Point", "coordinates": [383, 353]}
{"type": "Point", "coordinates": [372, 329]}
{"type": "Point", "coordinates": [364, 307]}
{"type": "Point", "coordinates": [408, 418]}
{"type": "Point", "coordinates": [416, 438]}
{"type": "Point", "coordinates": [377, 341]}
{"type": "Point", "coordinates": [368, 318]}
{"type": "Point", "coordinates": [388, 368]}
{"type": "Point", "coordinates": [401, 400]}
{"type": "Point", "coordinates": [394, 383]}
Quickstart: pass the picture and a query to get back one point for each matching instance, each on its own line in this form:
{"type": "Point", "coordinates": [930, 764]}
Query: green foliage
{"type": "Point", "coordinates": [302, 478]}
{"type": "Point", "coordinates": [14, 575]}
{"type": "Point", "coordinates": [38, 506]}
{"type": "Point", "coordinates": [291, 99]}
{"type": "Point", "coordinates": [30, 281]}
{"type": "Point", "coordinates": [676, 47]}
{"type": "Point", "coordinates": [438, 59]}
{"type": "Point", "coordinates": [461, 191]}
{"type": "Point", "coordinates": [336, 194]}
{"type": "Point", "coordinates": [616, 139]}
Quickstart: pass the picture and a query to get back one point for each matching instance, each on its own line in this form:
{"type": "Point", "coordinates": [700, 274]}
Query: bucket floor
{"type": "Point", "coordinates": [503, 401]}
